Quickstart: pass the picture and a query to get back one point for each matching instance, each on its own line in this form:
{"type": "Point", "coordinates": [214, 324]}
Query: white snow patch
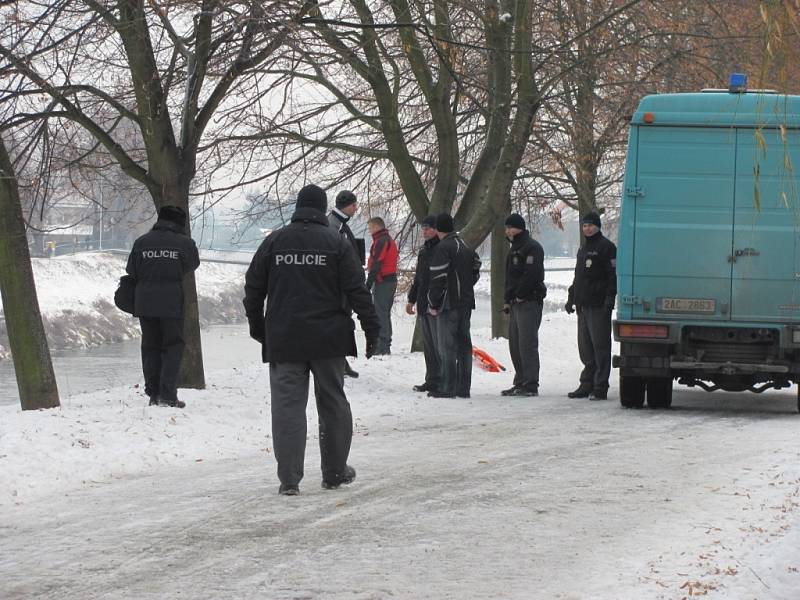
{"type": "Point", "coordinates": [76, 299]}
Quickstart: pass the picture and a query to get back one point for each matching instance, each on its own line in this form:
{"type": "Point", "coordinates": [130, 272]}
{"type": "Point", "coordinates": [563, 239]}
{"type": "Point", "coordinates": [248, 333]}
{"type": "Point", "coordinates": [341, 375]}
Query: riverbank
{"type": "Point", "coordinates": [76, 298]}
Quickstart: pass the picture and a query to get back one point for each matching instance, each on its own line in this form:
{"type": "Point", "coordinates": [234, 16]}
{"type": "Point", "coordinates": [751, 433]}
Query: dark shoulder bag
{"type": "Point", "coordinates": [125, 295]}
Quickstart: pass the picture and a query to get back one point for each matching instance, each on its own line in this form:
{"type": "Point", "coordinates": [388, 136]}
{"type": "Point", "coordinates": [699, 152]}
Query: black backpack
{"type": "Point", "coordinates": [125, 295]}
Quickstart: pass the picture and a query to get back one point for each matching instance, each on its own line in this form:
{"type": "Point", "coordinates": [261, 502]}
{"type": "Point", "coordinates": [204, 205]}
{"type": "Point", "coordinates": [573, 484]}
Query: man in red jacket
{"type": "Point", "coordinates": [382, 279]}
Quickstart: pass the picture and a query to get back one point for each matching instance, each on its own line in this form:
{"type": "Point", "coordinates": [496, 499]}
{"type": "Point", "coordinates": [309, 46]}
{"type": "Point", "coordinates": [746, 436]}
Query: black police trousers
{"type": "Point", "coordinates": [455, 351]}
{"type": "Point", "coordinates": [431, 352]}
{"type": "Point", "coordinates": [523, 342]}
{"type": "Point", "coordinates": [288, 382]}
{"type": "Point", "coordinates": [162, 350]}
{"type": "Point", "coordinates": [594, 346]}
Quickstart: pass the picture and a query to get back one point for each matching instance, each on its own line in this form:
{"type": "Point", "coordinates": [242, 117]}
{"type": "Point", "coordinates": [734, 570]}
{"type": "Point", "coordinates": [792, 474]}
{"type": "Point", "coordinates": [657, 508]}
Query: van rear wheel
{"type": "Point", "coordinates": [659, 392]}
{"type": "Point", "coordinates": [631, 391]}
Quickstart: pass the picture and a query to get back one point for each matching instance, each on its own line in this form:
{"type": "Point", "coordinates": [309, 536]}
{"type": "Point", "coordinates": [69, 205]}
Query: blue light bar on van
{"type": "Point", "coordinates": [738, 83]}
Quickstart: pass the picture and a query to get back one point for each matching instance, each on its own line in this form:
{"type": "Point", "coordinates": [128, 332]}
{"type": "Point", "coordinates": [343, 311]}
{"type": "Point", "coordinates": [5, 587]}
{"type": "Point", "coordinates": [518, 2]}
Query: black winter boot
{"type": "Point", "coordinates": [347, 476]}
{"type": "Point", "coordinates": [583, 391]}
{"type": "Point", "coordinates": [289, 490]}
{"type": "Point", "coordinates": [349, 372]}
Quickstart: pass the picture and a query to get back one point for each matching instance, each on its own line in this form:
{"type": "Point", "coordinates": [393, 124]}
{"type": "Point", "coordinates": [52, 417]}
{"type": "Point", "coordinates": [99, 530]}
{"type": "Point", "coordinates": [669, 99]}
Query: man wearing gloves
{"type": "Point", "coordinates": [592, 294]}
{"type": "Point", "coordinates": [524, 297]}
{"type": "Point", "coordinates": [310, 278]}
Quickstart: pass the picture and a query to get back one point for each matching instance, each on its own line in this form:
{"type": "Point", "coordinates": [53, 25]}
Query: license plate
{"type": "Point", "coordinates": [687, 305]}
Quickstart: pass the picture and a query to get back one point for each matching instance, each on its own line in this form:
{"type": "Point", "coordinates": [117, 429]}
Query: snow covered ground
{"type": "Point", "coordinates": [76, 298]}
{"type": "Point", "coordinates": [490, 497]}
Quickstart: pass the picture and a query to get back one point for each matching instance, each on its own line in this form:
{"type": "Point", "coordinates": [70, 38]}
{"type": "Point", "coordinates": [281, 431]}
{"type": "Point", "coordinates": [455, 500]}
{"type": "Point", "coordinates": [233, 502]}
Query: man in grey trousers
{"type": "Point", "coordinates": [592, 294]}
{"type": "Point", "coordinates": [524, 296]}
{"type": "Point", "coordinates": [382, 279]}
{"type": "Point", "coordinates": [310, 278]}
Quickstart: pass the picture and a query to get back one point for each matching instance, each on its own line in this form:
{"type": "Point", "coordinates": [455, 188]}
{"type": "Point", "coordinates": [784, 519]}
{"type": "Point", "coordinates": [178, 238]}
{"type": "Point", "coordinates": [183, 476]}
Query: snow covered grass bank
{"type": "Point", "coordinates": [76, 297]}
{"type": "Point", "coordinates": [490, 497]}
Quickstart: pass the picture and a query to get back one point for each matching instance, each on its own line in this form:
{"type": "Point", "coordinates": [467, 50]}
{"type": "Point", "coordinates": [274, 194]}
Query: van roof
{"type": "Point", "coordinates": [720, 110]}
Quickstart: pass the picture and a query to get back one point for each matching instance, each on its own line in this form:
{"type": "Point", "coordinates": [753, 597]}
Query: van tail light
{"type": "Point", "coordinates": [643, 331]}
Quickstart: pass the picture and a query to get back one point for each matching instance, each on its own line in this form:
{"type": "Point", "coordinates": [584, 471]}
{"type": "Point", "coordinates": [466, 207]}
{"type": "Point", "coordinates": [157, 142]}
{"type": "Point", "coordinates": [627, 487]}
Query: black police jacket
{"type": "Point", "coordinates": [338, 221]}
{"type": "Point", "coordinates": [158, 262]}
{"type": "Point", "coordinates": [455, 269]}
{"type": "Point", "coordinates": [418, 292]}
{"type": "Point", "coordinates": [310, 278]}
{"type": "Point", "coordinates": [525, 270]}
{"type": "Point", "coordinates": [595, 281]}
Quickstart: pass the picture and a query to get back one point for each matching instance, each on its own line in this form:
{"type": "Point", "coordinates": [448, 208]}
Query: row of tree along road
{"type": "Point", "coordinates": [470, 107]}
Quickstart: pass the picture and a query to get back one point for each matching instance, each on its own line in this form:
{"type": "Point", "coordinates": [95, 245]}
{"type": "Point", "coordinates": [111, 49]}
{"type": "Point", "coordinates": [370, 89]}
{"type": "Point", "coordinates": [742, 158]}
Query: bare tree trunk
{"type": "Point", "coordinates": [32, 365]}
{"type": "Point", "coordinates": [416, 339]}
{"type": "Point", "coordinates": [498, 275]}
{"type": "Point", "coordinates": [192, 374]}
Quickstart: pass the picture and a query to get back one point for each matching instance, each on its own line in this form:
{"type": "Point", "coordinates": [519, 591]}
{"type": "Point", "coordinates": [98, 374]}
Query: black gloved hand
{"type": "Point", "coordinates": [569, 307]}
{"type": "Point", "coordinates": [257, 330]}
{"type": "Point", "coordinates": [370, 282]}
{"type": "Point", "coordinates": [609, 303]}
{"type": "Point", "coordinates": [372, 344]}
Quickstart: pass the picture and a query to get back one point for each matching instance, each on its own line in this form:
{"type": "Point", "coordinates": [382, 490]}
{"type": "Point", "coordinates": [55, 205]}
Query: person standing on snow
{"type": "Point", "coordinates": [310, 278]}
{"type": "Point", "coordinates": [592, 294]}
{"type": "Point", "coordinates": [158, 262]}
{"type": "Point", "coordinates": [346, 206]}
{"type": "Point", "coordinates": [382, 279]}
{"type": "Point", "coordinates": [418, 294]}
{"type": "Point", "coordinates": [454, 271]}
{"type": "Point", "coordinates": [524, 297]}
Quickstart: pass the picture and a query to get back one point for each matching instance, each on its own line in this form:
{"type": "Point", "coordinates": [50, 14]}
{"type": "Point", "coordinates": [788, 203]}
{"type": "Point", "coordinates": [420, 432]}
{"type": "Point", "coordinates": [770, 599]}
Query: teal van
{"type": "Point", "coordinates": [709, 246]}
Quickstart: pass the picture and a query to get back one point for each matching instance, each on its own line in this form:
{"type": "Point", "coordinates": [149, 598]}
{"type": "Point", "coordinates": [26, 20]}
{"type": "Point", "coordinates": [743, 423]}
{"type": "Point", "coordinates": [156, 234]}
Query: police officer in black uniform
{"type": "Point", "coordinates": [158, 262]}
{"type": "Point", "coordinates": [418, 295]}
{"type": "Point", "coordinates": [454, 269]}
{"type": "Point", "coordinates": [346, 206]}
{"type": "Point", "coordinates": [592, 294]}
{"type": "Point", "coordinates": [310, 278]}
{"type": "Point", "coordinates": [524, 297]}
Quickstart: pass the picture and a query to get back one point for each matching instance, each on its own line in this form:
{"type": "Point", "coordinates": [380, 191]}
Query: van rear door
{"type": "Point", "coordinates": [765, 269]}
{"type": "Point", "coordinates": [684, 214]}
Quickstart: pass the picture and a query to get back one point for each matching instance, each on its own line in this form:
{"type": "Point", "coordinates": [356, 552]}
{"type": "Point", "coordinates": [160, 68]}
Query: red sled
{"type": "Point", "coordinates": [486, 361]}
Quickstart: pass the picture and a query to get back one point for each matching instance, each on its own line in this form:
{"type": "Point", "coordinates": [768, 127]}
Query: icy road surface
{"type": "Point", "coordinates": [483, 498]}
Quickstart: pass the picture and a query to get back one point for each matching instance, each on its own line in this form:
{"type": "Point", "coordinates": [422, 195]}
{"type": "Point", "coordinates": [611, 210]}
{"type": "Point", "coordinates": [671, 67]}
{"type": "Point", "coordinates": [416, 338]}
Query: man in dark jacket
{"type": "Point", "coordinates": [454, 270]}
{"type": "Point", "coordinates": [592, 292]}
{"type": "Point", "coordinates": [418, 294]}
{"type": "Point", "coordinates": [524, 296]}
{"type": "Point", "coordinates": [158, 262]}
{"type": "Point", "coordinates": [382, 279]}
{"type": "Point", "coordinates": [310, 279]}
{"type": "Point", "coordinates": [346, 207]}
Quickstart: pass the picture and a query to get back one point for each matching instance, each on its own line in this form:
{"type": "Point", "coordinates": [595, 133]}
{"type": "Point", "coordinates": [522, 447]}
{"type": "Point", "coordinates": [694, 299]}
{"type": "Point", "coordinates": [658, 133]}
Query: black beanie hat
{"type": "Point", "coordinates": [312, 196]}
{"type": "Point", "coordinates": [444, 223]}
{"type": "Point", "coordinates": [345, 198]}
{"type": "Point", "coordinates": [515, 220]}
{"type": "Point", "coordinates": [429, 221]}
{"type": "Point", "coordinates": [591, 218]}
{"type": "Point", "coordinates": [173, 214]}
